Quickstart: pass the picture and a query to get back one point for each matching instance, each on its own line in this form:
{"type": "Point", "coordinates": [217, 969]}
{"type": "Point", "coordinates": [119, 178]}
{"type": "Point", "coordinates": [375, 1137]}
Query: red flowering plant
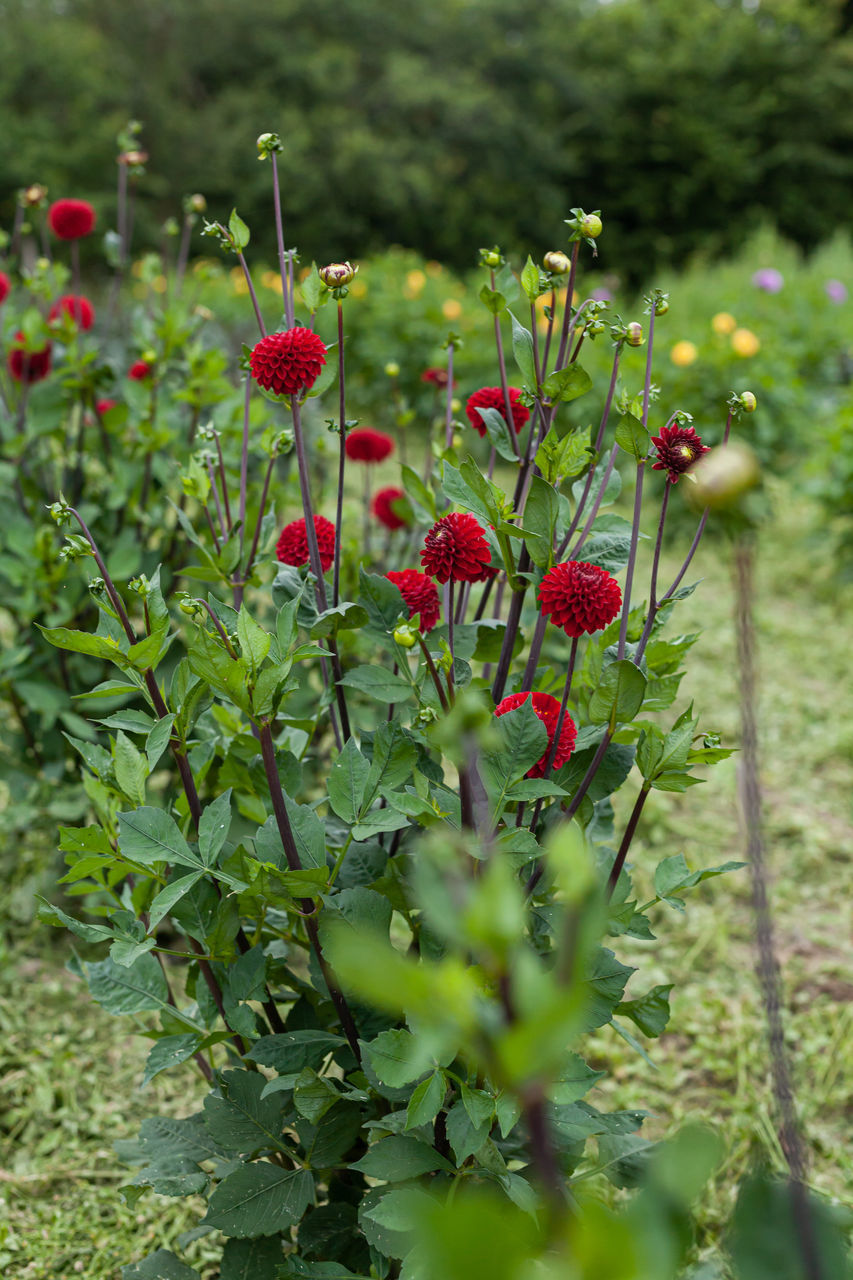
{"type": "Point", "coordinates": [319, 784]}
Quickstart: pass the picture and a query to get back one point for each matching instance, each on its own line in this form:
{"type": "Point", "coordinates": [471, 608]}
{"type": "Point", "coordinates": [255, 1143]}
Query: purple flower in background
{"type": "Point", "coordinates": [768, 279]}
{"type": "Point", "coordinates": [601, 295]}
{"type": "Point", "coordinates": [835, 290]}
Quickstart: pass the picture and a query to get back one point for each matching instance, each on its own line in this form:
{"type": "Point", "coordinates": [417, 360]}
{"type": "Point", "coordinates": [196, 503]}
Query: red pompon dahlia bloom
{"type": "Point", "coordinates": [580, 597]}
{"type": "Point", "coordinates": [28, 366]}
{"type": "Point", "coordinates": [367, 445]}
{"type": "Point", "coordinates": [292, 545]}
{"type": "Point", "coordinates": [5, 286]}
{"type": "Point", "coordinates": [456, 548]}
{"type": "Point", "coordinates": [289, 362]}
{"type": "Point", "coordinates": [419, 592]}
{"type": "Point", "coordinates": [104, 406]}
{"type": "Point", "coordinates": [140, 370]}
{"type": "Point", "coordinates": [71, 219]}
{"type": "Point", "coordinates": [435, 377]}
{"type": "Point", "coordinates": [548, 711]}
{"type": "Point", "coordinates": [77, 307]}
{"type": "Point", "coordinates": [678, 448]}
{"type": "Point", "coordinates": [493, 398]}
{"type": "Point", "coordinates": [383, 508]}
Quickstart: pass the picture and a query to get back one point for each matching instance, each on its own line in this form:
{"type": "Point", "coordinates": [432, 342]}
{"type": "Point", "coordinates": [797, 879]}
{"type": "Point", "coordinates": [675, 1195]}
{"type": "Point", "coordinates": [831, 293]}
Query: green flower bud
{"type": "Point", "coordinates": [634, 334]}
{"type": "Point", "coordinates": [724, 475]}
{"type": "Point", "coordinates": [337, 274]}
{"type": "Point", "coordinates": [268, 143]}
{"type": "Point", "coordinates": [559, 264]}
{"type": "Point", "coordinates": [490, 257]}
{"type": "Point", "coordinates": [748, 402]}
{"type": "Point", "coordinates": [195, 203]}
{"type": "Point", "coordinates": [591, 226]}
{"type": "Point", "coordinates": [405, 636]}
{"type": "Point", "coordinates": [392, 369]}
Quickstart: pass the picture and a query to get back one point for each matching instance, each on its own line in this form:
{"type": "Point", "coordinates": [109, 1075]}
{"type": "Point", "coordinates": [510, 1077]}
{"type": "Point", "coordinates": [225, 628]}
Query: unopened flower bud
{"type": "Point", "coordinates": [748, 402]}
{"type": "Point", "coordinates": [634, 334]}
{"type": "Point", "coordinates": [392, 369]}
{"type": "Point", "coordinates": [131, 158]}
{"type": "Point", "coordinates": [490, 257]}
{"type": "Point", "coordinates": [337, 274]}
{"type": "Point", "coordinates": [723, 475]}
{"type": "Point", "coordinates": [267, 144]}
{"type": "Point", "coordinates": [559, 264]}
{"type": "Point", "coordinates": [189, 605]}
{"type": "Point", "coordinates": [405, 636]}
{"type": "Point", "coordinates": [171, 227]}
{"type": "Point", "coordinates": [34, 195]}
{"type": "Point", "coordinates": [591, 226]}
{"type": "Point", "coordinates": [196, 203]}
{"type": "Point", "coordinates": [661, 305]}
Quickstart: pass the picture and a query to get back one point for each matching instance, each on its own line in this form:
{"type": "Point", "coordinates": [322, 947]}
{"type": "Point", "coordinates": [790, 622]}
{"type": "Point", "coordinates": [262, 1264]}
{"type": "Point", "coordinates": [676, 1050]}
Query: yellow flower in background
{"type": "Point", "coordinates": [723, 323]}
{"type": "Point", "coordinates": [451, 309]}
{"type": "Point", "coordinates": [304, 273]}
{"type": "Point", "coordinates": [683, 354]}
{"type": "Point", "coordinates": [415, 281]}
{"type": "Point", "coordinates": [358, 288]}
{"type": "Point", "coordinates": [238, 280]}
{"type": "Point", "coordinates": [159, 284]}
{"type": "Point", "coordinates": [271, 280]}
{"type": "Point", "coordinates": [434, 269]}
{"type": "Point", "coordinates": [745, 343]}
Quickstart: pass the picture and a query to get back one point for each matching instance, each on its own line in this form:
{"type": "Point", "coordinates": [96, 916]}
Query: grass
{"type": "Point", "coordinates": [69, 1073]}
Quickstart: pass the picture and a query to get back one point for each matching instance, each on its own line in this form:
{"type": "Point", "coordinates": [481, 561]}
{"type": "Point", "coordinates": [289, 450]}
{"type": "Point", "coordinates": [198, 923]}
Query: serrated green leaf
{"type": "Point", "coordinates": [259, 1200]}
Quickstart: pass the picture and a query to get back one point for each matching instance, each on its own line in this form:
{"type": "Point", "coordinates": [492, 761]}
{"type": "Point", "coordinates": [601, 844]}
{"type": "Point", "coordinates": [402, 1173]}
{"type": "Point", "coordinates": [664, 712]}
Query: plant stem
{"type": "Point", "coordinates": [512, 621]}
{"type": "Point", "coordinates": [342, 457]}
{"type": "Point", "coordinates": [697, 536]}
{"type": "Point", "coordinates": [619, 862]}
{"type": "Point", "coordinates": [450, 585]}
{"type": "Point", "coordinates": [567, 313]}
{"type": "Point", "coordinates": [448, 400]}
{"type": "Point", "coordinates": [653, 607]}
{"type": "Point", "coordinates": [261, 512]}
{"type": "Point", "coordinates": [433, 673]}
{"type": "Point", "coordinates": [555, 741]}
{"type": "Point", "coordinates": [248, 277]}
{"type": "Point", "coordinates": [307, 907]}
{"type": "Point", "coordinates": [598, 442]}
{"type": "Point", "coordinates": [283, 258]}
{"type": "Point", "coordinates": [223, 479]}
{"type": "Point", "coordinates": [632, 559]}
{"type": "Point", "coordinates": [499, 345]}
{"type": "Point", "coordinates": [535, 651]}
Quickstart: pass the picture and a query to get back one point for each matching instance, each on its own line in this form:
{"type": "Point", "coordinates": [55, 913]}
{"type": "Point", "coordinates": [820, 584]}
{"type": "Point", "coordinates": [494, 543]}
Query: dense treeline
{"type": "Point", "coordinates": [465, 121]}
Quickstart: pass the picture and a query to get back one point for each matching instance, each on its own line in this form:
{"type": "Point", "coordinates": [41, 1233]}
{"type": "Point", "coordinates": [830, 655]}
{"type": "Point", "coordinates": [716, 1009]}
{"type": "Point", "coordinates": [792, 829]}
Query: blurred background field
{"type": "Point", "coordinates": [717, 139]}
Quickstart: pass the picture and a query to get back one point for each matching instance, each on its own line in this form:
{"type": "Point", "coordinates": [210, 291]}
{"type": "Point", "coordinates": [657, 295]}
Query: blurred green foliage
{"type": "Point", "coordinates": [478, 121]}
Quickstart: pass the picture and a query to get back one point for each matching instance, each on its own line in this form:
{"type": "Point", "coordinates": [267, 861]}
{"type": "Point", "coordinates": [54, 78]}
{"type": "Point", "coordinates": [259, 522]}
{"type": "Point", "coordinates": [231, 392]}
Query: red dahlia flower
{"type": "Point", "coordinates": [77, 307]}
{"type": "Point", "coordinates": [71, 219]}
{"type": "Point", "coordinates": [28, 366]}
{"type": "Point", "coordinates": [383, 507]}
{"type": "Point", "coordinates": [548, 711]}
{"type": "Point", "coordinates": [140, 370]}
{"type": "Point", "coordinates": [5, 286]}
{"type": "Point", "coordinates": [580, 597]}
{"type": "Point", "coordinates": [418, 591]}
{"type": "Point", "coordinates": [436, 377]}
{"type": "Point", "coordinates": [289, 362]}
{"type": "Point", "coordinates": [678, 448]}
{"type": "Point", "coordinates": [493, 398]}
{"type": "Point", "coordinates": [104, 406]}
{"type": "Point", "coordinates": [292, 545]}
{"type": "Point", "coordinates": [456, 548]}
{"type": "Point", "coordinates": [367, 445]}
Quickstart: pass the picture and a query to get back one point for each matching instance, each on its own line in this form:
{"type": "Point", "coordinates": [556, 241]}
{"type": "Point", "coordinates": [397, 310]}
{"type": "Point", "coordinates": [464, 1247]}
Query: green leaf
{"type": "Point", "coordinates": [313, 1095]}
{"type": "Point", "coordinates": [765, 1239]}
{"type": "Point", "coordinates": [347, 782]}
{"type": "Point", "coordinates": [422, 498]}
{"type": "Point", "coordinates": [493, 299]}
{"type": "Point", "coordinates": [465, 1137]}
{"type": "Point", "coordinates": [397, 1057]}
{"type": "Point", "coordinates": [290, 1052]}
{"type": "Point", "coordinates": [632, 436]}
{"type": "Point", "coordinates": [575, 1080]}
{"type": "Point", "coordinates": [479, 1105]}
{"type": "Point", "coordinates": [213, 827]}
{"type": "Point", "coordinates": [398, 1158]}
{"type": "Point", "coordinates": [241, 1120]}
{"type": "Point", "coordinates": [148, 835]}
{"type": "Point", "coordinates": [50, 914]}
{"type": "Point", "coordinates": [83, 642]}
{"type": "Point", "coordinates": [238, 229]}
{"type": "Point", "coordinates": [158, 740]}
{"type": "Point", "coordinates": [474, 498]}
{"type": "Point", "coordinates": [567, 384]}
{"type": "Point", "coordinates": [499, 433]}
{"type": "Point", "coordinates": [651, 1012]}
{"type": "Point", "coordinates": [426, 1100]}
{"type": "Point", "coordinates": [167, 898]}
{"type": "Point", "coordinates": [530, 277]}
{"type": "Point", "coordinates": [257, 1259]}
{"type": "Point", "coordinates": [170, 1051]}
{"type": "Point", "coordinates": [131, 768]}
{"type": "Point", "coordinates": [128, 990]}
{"type": "Point", "coordinates": [559, 457]}
{"type": "Point", "coordinates": [522, 349]}
{"type": "Point", "coordinates": [619, 695]}
{"type": "Point", "coordinates": [162, 1265]}
{"type": "Point", "coordinates": [254, 641]}
{"type": "Point", "coordinates": [605, 986]}
{"type": "Point", "coordinates": [345, 616]}
{"type": "Point", "coordinates": [540, 517]}
{"type": "Point", "coordinates": [524, 740]}
{"type": "Point", "coordinates": [259, 1200]}
{"type": "Point", "coordinates": [378, 683]}
{"type": "Point", "coordinates": [674, 874]}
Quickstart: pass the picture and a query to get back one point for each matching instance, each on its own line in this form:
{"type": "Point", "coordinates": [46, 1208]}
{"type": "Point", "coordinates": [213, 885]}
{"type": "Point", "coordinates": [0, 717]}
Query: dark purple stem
{"type": "Point", "coordinates": [342, 457]}
{"type": "Point", "coordinates": [619, 862]}
{"type": "Point", "coordinates": [283, 258]}
{"type": "Point", "coordinates": [248, 277]}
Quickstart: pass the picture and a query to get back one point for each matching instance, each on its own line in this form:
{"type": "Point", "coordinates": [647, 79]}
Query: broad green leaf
{"type": "Point", "coordinates": [605, 985]}
{"type": "Point", "coordinates": [632, 436]}
{"type": "Point", "coordinates": [524, 740]}
{"type": "Point", "coordinates": [158, 740]}
{"type": "Point", "coordinates": [83, 642]}
{"type": "Point", "coordinates": [347, 782]}
{"type": "Point", "coordinates": [170, 1051]}
{"type": "Point", "coordinates": [346, 616]}
{"type": "Point", "coordinates": [167, 898]}
{"type": "Point", "coordinates": [397, 1057]}
{"type": "Point", "coordinates": [522, 349]}
{"type": "Point", "coordinates": [162, 1265]}
{"type": "Point", "coordinates": [254, 641]}
{"type": "Point", "coordinates": [499, 433]}
{"type": "Point", "coordinates": [426, 1100]}
{"type": "Point", "coordinates": [213, 827]}
{"type": "Point", "coordinates": [131, 768]}
{"type": "Point", "coordinates": [619, 695]}
{"type": "Point", "coordinates": [398, 1158]}
{"type": "Point", "coordinates": [290, 1052]}
{"type": "Point", "coordinates": [313, 1095]}
{"type": "Point", "coordinates": [567, 384]}
{"type": "Point", "coordinates": [493, 299]}
{"type": "Point", "coordinates": [257, 1259]}
{"type": "Point", "coordinates": [259, 1200]}
{"type": "Point", "coordinates": [148, 835]}
{"type": "Point", "coordinates": [128, 990]}
{"type": "Point", "coordinates": [378, 683]}
{"type": "Point", "coordinates": [530, 278]}
{"type": "Point", "coordinates": [650, 1012]}
{"type": "Point", "coordinates": [242, 1120]}
{"type": "Point", "coordinates": [239, 231]}
{"type": "Point", "coordinates": [575, 1080]}
{"type": "Point", "coordinates": [50, 914]}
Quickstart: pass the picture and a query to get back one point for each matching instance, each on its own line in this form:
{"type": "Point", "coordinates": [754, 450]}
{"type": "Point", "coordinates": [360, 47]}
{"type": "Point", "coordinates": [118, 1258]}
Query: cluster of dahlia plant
{"type": "Point", "coordinates": [354, 854]}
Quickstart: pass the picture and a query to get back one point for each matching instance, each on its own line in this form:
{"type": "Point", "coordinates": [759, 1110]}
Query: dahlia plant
{"type": "Point", "coordinates": [354, 855]}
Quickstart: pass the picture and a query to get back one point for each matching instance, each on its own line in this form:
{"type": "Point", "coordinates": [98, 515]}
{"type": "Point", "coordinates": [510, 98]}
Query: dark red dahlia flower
{"type": "Point", "coordinates": [140, 370]}
{"type": "Point", "coordinates": [678, 448]}
{"type": "Point", "coordinates": [292, 545]}
{"type": "Point", "coordinates": [456, 548]}
{"type": "Point", "coordinates": [385, 507]}
{"type": "Point", "coordinates": [71, 219]}
{"type": "Point", "coordinates": [548, 711]}
{"type": "Point", "coordinates": [367, 445]}
{"type": "Point", "coordinates": [289, 362]}
{"type": "Point", "coordinates": [580, 597]}
{"type": "Point", "coordinates": [419, 592]}
{"type": "Point", "coordinates": [435, 377]}
{"type": "Point", "coordinates": [493, 398]}
{"type": "Point", "coordinates": [77, 307]}
{"type": "Point", "coordinates": [104, 406]}
{"type": "Point", "coordinates": [5, 286]}
{"type": "Point", "coordinates": [28, 366]}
